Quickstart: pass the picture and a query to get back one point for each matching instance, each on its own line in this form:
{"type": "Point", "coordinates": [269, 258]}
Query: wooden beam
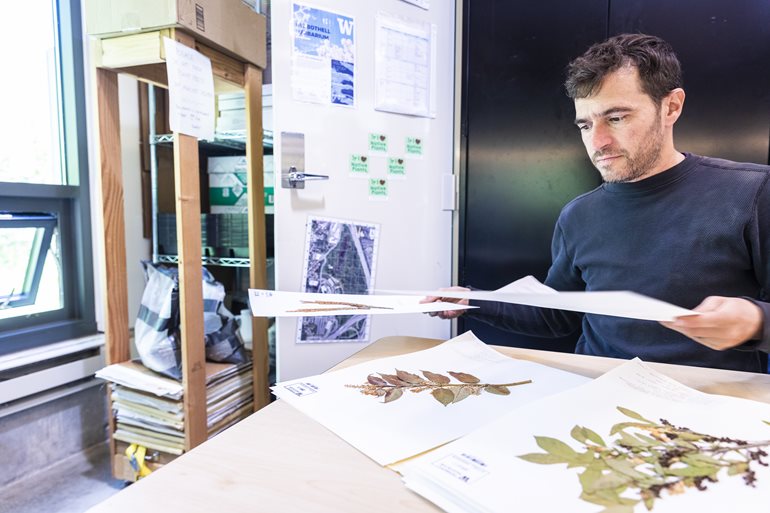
{"type": "Point", "coordinates": [110, 177]}
{"type": "Point", "coordinates": [111, 186]}
{"type": "Point", "coordinates": [257, 242]}
{"type": "Point", "coordinates": [188, 223]}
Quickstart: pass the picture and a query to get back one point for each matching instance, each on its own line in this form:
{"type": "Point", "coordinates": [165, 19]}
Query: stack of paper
{"type": "Point", "coordinates": [632, 440]}
{"type": "Point", "coordinates": [148, 407]}
{"type": "Point", "coordinates": [395, 408]}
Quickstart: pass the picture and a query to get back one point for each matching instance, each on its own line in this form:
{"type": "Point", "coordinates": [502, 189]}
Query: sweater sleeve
{"type": "Point", "coordinates": [531, 320]}
{"type": "Point", "coordinates": [758, 238]}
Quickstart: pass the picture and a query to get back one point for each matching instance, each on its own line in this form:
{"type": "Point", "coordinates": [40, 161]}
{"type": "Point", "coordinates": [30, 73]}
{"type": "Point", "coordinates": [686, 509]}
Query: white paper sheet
{"type": "Point", "coordinates": [191, 91]}
{"type": "Point", "coordinates": [271, 303]}
{"type": "Point", "coordinates": [529, 291]}
{"type": "Point", "coordinates": [483, 471]}
{"type": "Point", "coordinates": [390, 432]}
{"type": "Point", "coordinates": [405, 66]}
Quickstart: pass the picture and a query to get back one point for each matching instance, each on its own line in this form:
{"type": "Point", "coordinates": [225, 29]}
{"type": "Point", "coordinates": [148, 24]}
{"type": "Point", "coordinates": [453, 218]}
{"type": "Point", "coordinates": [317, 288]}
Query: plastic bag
{"type": "Point", "coordinates": [157, 329]}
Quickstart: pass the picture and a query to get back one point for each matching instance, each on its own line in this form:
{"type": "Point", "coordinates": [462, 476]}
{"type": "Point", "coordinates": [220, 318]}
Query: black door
{"type": "Point", "coordinates": [522, 156]}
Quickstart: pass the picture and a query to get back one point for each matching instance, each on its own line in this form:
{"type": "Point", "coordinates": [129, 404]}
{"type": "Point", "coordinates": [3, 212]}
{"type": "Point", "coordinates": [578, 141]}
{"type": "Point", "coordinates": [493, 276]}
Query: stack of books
{"type": "Point", "coordinates": [148, 407]}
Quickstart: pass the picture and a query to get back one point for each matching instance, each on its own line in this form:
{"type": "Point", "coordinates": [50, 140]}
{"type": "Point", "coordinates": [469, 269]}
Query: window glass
{"type": "Point", "coordinates": [31, 149]}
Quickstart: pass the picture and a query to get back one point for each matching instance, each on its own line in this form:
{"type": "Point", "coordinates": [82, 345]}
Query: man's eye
{"type": "Point", "coordinates": [616, 119]}
{"type": "Point", "coordinates": [583, 128]}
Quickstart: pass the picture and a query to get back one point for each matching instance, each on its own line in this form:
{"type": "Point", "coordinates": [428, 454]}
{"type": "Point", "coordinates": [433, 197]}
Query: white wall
{"type": "Point", "coordinates": [137, 247]}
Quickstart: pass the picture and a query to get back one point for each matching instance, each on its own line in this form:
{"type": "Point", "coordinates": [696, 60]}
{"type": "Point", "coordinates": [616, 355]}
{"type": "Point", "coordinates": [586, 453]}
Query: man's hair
{"type": "Point", "coordinates": [658, 65]}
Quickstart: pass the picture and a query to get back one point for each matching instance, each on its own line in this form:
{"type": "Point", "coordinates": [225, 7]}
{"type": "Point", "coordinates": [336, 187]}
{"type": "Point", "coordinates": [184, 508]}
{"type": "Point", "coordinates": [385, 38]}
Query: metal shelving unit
{"type": "Point", "coordinates": [230, 139]}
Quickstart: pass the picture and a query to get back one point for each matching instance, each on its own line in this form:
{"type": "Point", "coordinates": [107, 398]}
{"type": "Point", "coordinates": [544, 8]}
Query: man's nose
{"type": "Point", "coordinates": [600, 137]}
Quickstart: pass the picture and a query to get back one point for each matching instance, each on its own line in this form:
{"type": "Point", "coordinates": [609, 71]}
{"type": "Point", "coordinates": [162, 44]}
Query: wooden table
{"type": "Point", "coordinates": [279, 460]}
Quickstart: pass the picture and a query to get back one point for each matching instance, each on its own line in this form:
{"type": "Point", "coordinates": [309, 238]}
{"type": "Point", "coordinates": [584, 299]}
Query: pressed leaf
{"type": "Point", "coordinates": [649, 502]}
{"type": "Point", "coordinates": [393, 380]}
{"type": "Point", "coordinates": [739, 467]}
{"type": "Point", "coordinates": [631, 440]}
{"type": "Point", "coordinates": [497, 389]}
{"type": "Point", "coordinates": [692, 470]}
{"type": "Point", "coordinates": [626, 468]}
{"type": "Point", "coordinates": [414, 379]}
{"type": "Point", "coordinates": [588, 478]}
{"type": "Point", "coordinates": [463, 377]}
{"type": "Point", "coordinates": [633, 414]}
{"type": "Point", "coordinates": [374, 380]}
{"type": "Point", "coordinates": [556, 447]}
{"type": "Point", "coordinates": [462, 393]}
{"type": "Point", "coordinates": [393, 394]}
{"type": "Point", "coordinates": [594, 437]}
{"type": "Point", "coordinates": [610, 481]}
{"type": "Point", "coordinates": [542, 458]}
{"type": "Point", "coordinates": [579, 434]}
{"type": "Point", "coordinates": [443, 395]}
{"type": "Point", "coordinates": [623, 425]}
{"type": "Point", "coordinates": [618, 508]}
{"type": "Point", "coordinates": [766, 422]}
{"type": "Point", "coordinates": [436, 378]}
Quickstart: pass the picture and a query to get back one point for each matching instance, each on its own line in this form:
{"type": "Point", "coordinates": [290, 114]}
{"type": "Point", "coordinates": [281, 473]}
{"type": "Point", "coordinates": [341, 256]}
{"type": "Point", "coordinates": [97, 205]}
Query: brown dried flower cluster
{"type": "Point", "coordinates": [392, 386]}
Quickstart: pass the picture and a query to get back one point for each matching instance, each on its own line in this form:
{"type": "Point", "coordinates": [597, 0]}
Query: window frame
{"type": "Point", "coordinates": [69, 203]}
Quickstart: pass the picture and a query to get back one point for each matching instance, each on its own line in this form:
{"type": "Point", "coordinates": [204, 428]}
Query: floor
{"type": "Point", "coordinates": [71, 486]}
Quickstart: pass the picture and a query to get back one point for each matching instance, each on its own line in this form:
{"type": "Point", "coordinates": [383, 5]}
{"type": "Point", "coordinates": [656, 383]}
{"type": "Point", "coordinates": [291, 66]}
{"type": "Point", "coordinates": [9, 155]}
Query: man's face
{"type": "Point", "coordinates": [621, 128]}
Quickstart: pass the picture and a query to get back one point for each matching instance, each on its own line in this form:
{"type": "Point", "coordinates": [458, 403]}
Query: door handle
{"type": "Point", "coordinates": [296, 179]}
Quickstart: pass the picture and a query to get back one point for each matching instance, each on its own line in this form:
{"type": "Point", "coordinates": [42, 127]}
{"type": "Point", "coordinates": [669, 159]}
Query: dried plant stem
{"type": "Point", "coordinates": [439, 385]}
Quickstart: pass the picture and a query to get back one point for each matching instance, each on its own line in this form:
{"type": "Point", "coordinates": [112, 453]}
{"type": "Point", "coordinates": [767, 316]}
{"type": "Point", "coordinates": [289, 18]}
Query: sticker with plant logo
{"type": "Point", "coordinates": [378, 189]}
{"type": "Point", "coordinates": [396, 167]}
{"type": "Point", "coordinates": [414, 146]}
{"type": "Point", "coordinates": [378, 143]}
{"type": "Point", "coordinates": [359, 165]}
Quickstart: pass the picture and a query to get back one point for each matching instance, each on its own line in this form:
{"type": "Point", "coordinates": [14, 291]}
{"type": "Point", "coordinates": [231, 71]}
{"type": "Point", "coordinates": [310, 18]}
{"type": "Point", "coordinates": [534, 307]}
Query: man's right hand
{"type": "Point", "coordinates": [447, 314]}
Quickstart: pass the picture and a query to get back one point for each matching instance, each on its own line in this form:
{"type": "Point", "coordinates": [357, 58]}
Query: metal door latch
{"type": "Point", "coordinates": [293, 174]}
{"type": "Point", "coordinates": [296, 180]}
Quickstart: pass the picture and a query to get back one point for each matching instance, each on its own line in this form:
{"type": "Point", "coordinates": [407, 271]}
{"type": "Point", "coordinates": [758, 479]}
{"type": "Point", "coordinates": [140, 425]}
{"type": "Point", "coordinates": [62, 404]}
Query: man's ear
{"type": "Point", "coordinates": [673, 104]}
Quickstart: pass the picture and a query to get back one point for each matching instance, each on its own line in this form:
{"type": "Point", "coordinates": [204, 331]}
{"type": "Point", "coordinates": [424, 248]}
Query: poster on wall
{"type": "Point", "coordinates": [405, 66]}
{"type": "Point", "coordinates": [323, 56]}
{"type": "Point", "coordinates": [340, 258]}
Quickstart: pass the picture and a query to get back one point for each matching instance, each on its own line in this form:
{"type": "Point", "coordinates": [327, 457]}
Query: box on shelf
{"type": "Point", "coordinates": [228, 177]}
{"type": "Point", "coordinates": [229, 25]}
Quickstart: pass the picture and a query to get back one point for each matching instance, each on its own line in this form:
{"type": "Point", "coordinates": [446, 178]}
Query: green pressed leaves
{"type": "Point", "coordinates": [648, 458]}
{"type": "Point", "coordinates": [392, 386]}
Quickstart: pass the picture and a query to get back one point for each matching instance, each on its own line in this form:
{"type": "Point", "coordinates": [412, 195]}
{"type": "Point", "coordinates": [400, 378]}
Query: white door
{"type": "Point", "coordinates": [387, 190]}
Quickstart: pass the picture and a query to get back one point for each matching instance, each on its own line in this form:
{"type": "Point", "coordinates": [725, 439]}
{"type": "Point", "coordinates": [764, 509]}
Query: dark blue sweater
{"type": "Point", "coordinates": [701, 228]}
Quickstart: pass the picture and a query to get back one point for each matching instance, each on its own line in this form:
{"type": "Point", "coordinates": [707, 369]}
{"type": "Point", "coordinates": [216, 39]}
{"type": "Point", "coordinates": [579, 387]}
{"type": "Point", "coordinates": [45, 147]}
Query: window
{"type": "Point", "coordinates": [46, 282]}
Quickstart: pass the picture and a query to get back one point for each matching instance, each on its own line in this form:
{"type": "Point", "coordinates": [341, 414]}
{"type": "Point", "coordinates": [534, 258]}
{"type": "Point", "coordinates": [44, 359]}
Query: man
{"type": "Point", "coordinates": [670, 225]}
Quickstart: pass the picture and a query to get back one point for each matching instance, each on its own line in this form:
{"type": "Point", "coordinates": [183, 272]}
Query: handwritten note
{"type": "Point", "coordinates": [191, 91]}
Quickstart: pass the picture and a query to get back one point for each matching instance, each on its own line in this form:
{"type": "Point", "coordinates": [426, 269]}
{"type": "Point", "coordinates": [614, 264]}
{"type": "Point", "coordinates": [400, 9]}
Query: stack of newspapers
{"type": "Point", "coordinates": [148, 407]}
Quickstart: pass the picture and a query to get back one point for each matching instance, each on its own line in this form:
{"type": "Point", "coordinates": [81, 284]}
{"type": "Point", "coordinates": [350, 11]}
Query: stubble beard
{"type": "Point", "coordinates": [639, 165]}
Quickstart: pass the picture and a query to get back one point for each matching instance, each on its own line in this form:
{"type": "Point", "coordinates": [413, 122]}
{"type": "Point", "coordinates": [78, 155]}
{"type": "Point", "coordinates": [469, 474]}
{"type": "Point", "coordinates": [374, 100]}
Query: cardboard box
{"type": "Point", "coordinates": [228, 177]}
{"type": "Point", "coordinates": [228, 25]}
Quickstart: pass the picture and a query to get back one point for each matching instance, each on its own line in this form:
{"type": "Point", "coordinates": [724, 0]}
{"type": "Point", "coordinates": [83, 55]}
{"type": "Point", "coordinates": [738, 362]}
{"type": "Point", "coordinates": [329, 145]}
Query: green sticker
{"type": "Point", "coordinates": [378, 188]}
{"type": "Point", "coordinates": [359, 164]}
{"type": "Point", "coordinates": [396, 167]}
{"type": "Point", "coordinates": [378, 143]}
{"type": "Point", "coordinates": [414, 146]}
{"type": "Point", "coordinates": [269, 193]}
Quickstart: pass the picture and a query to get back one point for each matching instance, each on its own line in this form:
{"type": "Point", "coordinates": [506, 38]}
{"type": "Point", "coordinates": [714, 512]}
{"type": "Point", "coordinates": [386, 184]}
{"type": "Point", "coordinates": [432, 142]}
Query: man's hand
{"type": "Point", "coordinates": [447, 314]}
{"type": "Point", "coordinates": [724, 322]}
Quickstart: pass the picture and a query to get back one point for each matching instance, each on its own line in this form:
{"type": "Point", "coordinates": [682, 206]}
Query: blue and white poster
{"type": "Point", "coordinates": [323, 56]}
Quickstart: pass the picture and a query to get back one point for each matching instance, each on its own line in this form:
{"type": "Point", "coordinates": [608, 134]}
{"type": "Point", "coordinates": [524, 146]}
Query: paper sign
{"type": "Point", "coordinates": [396, 168]}
{"type": "Point", "coordinates": [414, 146]}
{"type": "Point", "coordinates": [378, 189]}
{"type": "Point", "coordinates": [191, 91]}
{"type": "Point", "coordinates": [359, 165]}
{"type": "Point", "coordinates": [378, 143]}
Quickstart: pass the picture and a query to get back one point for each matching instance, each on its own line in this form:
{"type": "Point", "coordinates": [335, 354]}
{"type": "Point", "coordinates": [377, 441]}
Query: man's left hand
{"type": "Point", "coordinates": [724, 322]}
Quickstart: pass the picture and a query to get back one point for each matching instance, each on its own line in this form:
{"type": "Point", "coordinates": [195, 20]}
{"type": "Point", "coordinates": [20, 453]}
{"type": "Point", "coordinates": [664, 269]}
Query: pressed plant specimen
{"type": "Point", "coordinates": [646, 459]}
{"type": "Point", "coordinates": [392, 386]}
